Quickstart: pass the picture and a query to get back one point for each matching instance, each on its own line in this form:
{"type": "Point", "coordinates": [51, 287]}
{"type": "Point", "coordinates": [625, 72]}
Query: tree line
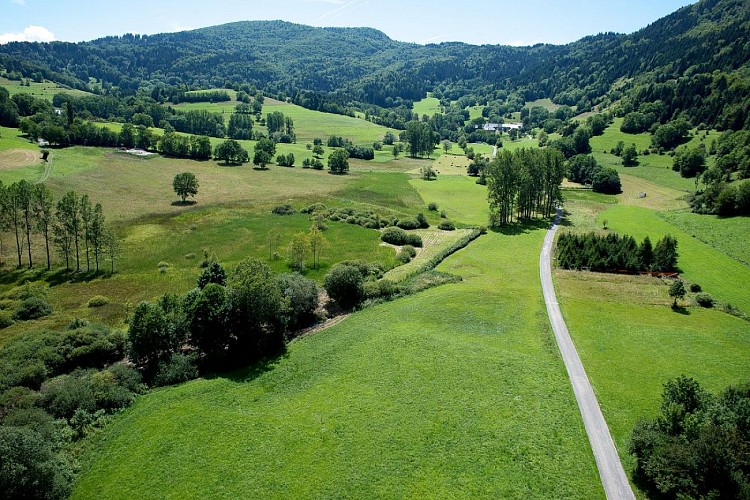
{"type": "Point", "coordinates": [524, 183]}
{"type": "Point", "coordinates": [73, 226]}
{"type": "Point", "coordinates": [615, 253]}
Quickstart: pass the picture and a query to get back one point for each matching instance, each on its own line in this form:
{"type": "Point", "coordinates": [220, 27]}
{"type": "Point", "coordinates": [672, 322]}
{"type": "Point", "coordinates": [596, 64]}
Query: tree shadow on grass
{"type": "Point", "coordinates": [565, 219]}
{"type": "Point", "coordinates": [681, 310]}
{"type": "Point", "coordinates": [523, 227]}
{"type": "Point", "coordinates": [251, 372]}
{"type": "Point", "coordinates": [186, 203]}
{"type": "Point", "coordinates": [53, 278]}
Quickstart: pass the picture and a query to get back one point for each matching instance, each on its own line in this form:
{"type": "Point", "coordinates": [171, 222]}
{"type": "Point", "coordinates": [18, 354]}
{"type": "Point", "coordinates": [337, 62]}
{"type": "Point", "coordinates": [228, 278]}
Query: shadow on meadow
{"type": "Point", "coordinates": [53, 278]}
{"type": "Point", "coordinates": [523, 227]}
{"type": "Point", "coordinates": [251, 372]}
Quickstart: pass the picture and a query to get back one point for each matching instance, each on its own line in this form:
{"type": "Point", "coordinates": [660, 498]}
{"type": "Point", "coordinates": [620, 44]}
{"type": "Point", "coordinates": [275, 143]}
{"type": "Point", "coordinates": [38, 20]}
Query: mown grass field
{"type": "Point", "coordinates": [727, 234]}
{"type": "Point", "coordinates": [460, 196]}
{"type": "Point", "coordinates": [427, 106]}
{"type": "Point", "coordinates": [457, 391]}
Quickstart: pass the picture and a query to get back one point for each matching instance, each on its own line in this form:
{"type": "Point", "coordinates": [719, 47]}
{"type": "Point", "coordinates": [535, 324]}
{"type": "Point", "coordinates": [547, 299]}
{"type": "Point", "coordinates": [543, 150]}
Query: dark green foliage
{"type": "Point", "coordinates": [284, 210]}
{"type": "Point", "coordinates": [29, 359]}
{"type": "Point", "coordinates": [422, 220]}
{"type": "Point", "coordinates": [214, 273]}
{"type": "Point", "coordinates": [32, 308]}
{"type": "Point", "coordinates": [207, 317]}
{"type": "Point", "coordinates": [285, 160]}
{"type": "Point", "coordinates": [704, 300]}
{"type": "Point", "coordinates": [30, 467]}
{"type": "Point", "coordinates": [723, 198]}
{"type": "Point", "coordinates": [257, 310]}
{"type": "Point", "coordinates": [178, 368]}
{"type": "Point", "coordinates": [87, 390]}
{"type": "Point", "coordinates": [240, 126]}
{"type": "Point", "coordinates": [345, 285]}
{"type": "Point", "coordinates": [610, 253]}
{"type": "Point", "coordinates": [697, 445]}
{"type": "Point", "coordinates": [408, 224]}
{"type": "Point", "coordinates": [447, 225]}
{"type": "Point", "coordinates": [670, 135]}
{"type": "Point", "coordinates": [421, 139]}
{"type": "Point", "coordinates": [151, 337]}
{"type": "Point", "coordinates": [300, 300]}
{"type": "Point", "coordinates": [185, 184]}
{"type": "Point", "coordinates": [406, 253]}
{"type": "Point", "coordinates": [582, 169]}
{"type": "Point", "coordinates": [6, 319]}
{"type": "Point", "coordinates": [630, 156]}
{"type": "Point", "coordinates": [665, 254]}
{"type": "Point", "coordinates": [231, 153]}
{"type": "Point", "coordinates": [338, 162]}
{"type": "Point", "coordinates": [202, 96]}
{"type": "Point", "coordinates": [690, 162]}
{"type": "Point", "coordinates": [677, 291]}
{"type": "Point", "coordinates": [397, 236]}
{"type": "Point", "coordinates": [606, 181]}
{"type": "Point", "coordinates": [636, 123]}
{"type": "Point", "coordinates": [524, 183]}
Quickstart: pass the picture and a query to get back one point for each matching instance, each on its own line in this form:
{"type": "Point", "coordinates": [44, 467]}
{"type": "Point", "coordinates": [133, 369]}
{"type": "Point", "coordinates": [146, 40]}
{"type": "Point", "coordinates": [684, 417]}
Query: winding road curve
{"type": "Point", "coordinates": [614, 480]}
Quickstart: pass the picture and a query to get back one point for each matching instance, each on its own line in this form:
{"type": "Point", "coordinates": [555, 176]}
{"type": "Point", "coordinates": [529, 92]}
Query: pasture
{"type": "Point", "coordinates": [458, 390]}
{"type": "Point", "coordinates": [41, 90]}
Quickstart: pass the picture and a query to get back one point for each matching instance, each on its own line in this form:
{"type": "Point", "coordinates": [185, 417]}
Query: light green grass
{"type": "Point", "coordinates": [45, 90]}
{"type": "Point", "coordinates": [460, 196]}
{"type": "Point", "coordinates": [631, 343]}
{"type": "Point", "coordinates": [308, 124]}
{"type": "Point", "coordinates": [718, 274]}
{"type": "Point", "coordinates": [457, 391]}
{"type": "Point", "coordinates": [728, 234]}
{"type": "Point", "coordinates": [475, 112]}
{"type": "Point", "coordinates": [434, 241]}
{"type": "Point", "coordinates": [544, 103]}
{"type": "Point", "coordinates": [428, 106]}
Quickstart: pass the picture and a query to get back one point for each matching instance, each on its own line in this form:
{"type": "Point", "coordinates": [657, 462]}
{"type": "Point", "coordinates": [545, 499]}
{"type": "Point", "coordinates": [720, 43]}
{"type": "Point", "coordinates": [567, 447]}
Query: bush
{"type": "Point", "coordinates": [695, 288]}
{"type": "Point", "coordinates": [704, 300]}
{"type": "Point", "coordinates": [301, 299]}
{"type": "Point", "coordinates": [283, 210]}
{"type": "Point", "coordinates": [177, 369]}
{"type": "Point", "coordinates": [447, 225]}
{"type": "Point", "coordinates": [214, 273]}
{"type": "Point", "coordinates": [409, 224]}
{"type": "Point", "coordinates": [32, 308]}
{"type": "Point", "coordinates": [97, 301]}
{"type": "Point", "coordinates": [606, 181]}
{"type": "Point", "coordinates": [6, 320]}
{"type": "Point", "coordinates": [345, 285]}
{"type": "Point", "coordinates": [397, 236]}
{"type": "Point", "coordinates": [432, 207]}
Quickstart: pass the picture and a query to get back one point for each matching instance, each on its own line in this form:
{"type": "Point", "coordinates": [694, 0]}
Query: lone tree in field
{"type": "Point", "coordinates": [338, 162]}
{"type": "Point", "coordinates": [185, 184]}
{"type": "Point", "coordinates": [676, 290]}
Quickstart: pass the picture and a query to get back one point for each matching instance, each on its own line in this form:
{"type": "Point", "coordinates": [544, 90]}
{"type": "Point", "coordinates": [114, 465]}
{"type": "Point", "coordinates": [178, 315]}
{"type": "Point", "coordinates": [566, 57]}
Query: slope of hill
{"type": "Point", "coordinates": [366, 65]}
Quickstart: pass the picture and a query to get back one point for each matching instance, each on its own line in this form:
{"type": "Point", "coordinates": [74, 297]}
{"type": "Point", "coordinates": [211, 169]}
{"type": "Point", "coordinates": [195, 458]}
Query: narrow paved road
{"type": "Point", "coordinates": [614, 480]}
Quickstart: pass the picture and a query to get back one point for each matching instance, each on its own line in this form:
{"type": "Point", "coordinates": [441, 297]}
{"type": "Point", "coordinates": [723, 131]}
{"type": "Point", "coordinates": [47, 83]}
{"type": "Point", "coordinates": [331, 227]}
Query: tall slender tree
{"type": "Point", "coordinates": [42, 206]}
{"type": "Point", "coordinates": [97, 233]}
{"type": "Point", "coordinates": [68, 214]}
{"type": "Point", "coordinates": [86, 216]}
{"type": "Point", "coordinates": [24, 196]}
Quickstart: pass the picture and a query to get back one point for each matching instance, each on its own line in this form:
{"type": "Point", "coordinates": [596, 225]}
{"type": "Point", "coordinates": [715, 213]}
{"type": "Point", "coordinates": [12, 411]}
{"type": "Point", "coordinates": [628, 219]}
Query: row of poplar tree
{"type": "Point", "coordinates": [72, 226]}
{"type": "Point", "coordinates": [524, 183]}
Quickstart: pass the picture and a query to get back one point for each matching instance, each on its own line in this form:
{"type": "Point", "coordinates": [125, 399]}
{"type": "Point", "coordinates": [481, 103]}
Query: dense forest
{"type": "Point", "coordinates": [694, 61]}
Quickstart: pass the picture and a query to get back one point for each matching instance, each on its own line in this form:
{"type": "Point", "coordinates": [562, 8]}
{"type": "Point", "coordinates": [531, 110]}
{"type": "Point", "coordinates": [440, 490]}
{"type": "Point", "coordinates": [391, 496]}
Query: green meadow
{"type": "Point", "coordinates": [458, 390]}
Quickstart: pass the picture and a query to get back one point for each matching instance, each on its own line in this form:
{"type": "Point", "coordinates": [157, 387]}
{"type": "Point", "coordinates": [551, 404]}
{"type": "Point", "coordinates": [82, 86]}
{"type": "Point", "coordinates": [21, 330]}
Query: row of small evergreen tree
{"type": "Point", "coordinates": [612, 252]}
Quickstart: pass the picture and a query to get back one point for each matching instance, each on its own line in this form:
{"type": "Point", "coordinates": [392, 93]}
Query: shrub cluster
{"type": "Point", "coordinates": [615, 253]}
{"type": "Point", "coordinates": [347, 283]}
{"type": "Point", "coordinates": [54, 389]}
{"type": "Point", "coordinates": [363, 153]}
{"type": "Point", "coordinates": [406, 253]}
{"type": "Point", "coordinates": [697, 445]}
{"type": "Point", "coordinates": [584, 169]}
{"type": "Point", "coordinates": [447, 225]}
{"type": "Point", "coordinates": [284, 210]}
{"type": "Point", "coordinates": [399, 237]}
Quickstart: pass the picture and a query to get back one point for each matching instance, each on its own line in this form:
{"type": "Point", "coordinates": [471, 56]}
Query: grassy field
{"type": "Point", "coordinates": [434, 240]}
{"type": "Point", "coordinates": [544, 103]}
{"type": "Point", "coordinates": [434, 395]}
{"type": "Point", "coordinates": [45, 90]}
{"type": "Point", "coordinates": [727, 234]}
{"type": "Point", "coordinates": [719, 275]}
{"type": "Point", "coordinates": [428, 106]}
{"type": "Point", "coordinates": [460, 196]}
{"type": "Point", "coordinates": [631, 343]}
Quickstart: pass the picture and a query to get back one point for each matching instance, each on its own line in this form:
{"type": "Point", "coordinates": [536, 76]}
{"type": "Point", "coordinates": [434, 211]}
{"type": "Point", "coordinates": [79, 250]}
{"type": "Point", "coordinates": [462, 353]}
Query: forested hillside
{"type": "Point", "coordinates": [331, 68]}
